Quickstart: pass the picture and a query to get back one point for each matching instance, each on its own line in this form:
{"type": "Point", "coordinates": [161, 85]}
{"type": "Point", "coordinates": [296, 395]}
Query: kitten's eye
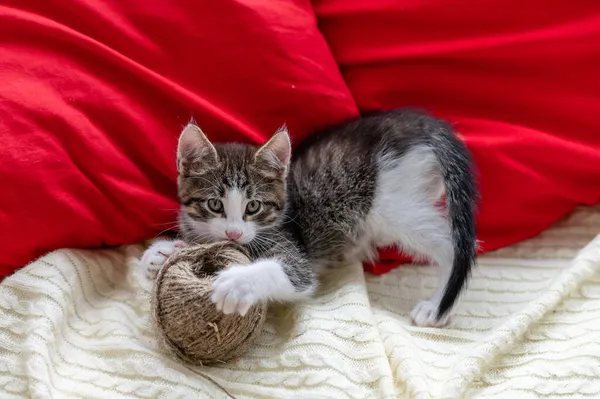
{"type": "Point", "coordinates": [215, 205]}
{"type": "Point", "coordinates": [252, 207]}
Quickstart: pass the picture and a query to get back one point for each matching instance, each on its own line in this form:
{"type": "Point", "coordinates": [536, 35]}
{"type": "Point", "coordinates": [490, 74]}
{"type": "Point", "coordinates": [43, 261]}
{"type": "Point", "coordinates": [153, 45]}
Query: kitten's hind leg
{"type": "Point", "coordinates": [404, 213]}
{"type": "Point", "coordinates": [429, 235]}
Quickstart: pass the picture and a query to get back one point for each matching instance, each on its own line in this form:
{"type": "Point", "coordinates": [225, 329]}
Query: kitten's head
{"type": "Point", "coordinates": [230, 191]}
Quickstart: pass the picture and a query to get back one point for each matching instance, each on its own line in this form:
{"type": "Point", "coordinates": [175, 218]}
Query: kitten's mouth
{"type": "Point", "coordinates": [239, 241]}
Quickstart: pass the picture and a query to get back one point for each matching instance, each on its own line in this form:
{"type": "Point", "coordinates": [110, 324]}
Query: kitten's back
{"type": "Point", "coordinates": [334, 177]}
{"type": "Point", "coordinates": [374, 182]}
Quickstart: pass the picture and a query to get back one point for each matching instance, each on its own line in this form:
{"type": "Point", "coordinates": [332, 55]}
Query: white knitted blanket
{"type": "Point", "coordinates": [75, 324]}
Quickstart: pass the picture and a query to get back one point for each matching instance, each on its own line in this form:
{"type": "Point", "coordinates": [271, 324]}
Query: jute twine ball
{"type": "Point", "coordinates": [188, 323]}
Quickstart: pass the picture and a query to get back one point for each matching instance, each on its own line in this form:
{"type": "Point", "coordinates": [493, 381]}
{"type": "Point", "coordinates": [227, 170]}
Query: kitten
{"type": "Point", "coordinates": [373, 182]}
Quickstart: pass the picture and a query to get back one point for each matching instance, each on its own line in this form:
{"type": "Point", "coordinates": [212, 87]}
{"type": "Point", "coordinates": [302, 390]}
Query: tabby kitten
{"type": "Point", "coordinates": [373, 182]}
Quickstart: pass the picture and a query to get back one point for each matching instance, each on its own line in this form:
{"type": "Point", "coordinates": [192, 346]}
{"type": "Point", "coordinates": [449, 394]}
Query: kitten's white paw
{"type": "Point", "coordinates": [157, 254]}
{"type": "Point", "coordinates": [239, 287]}
{"type": "Point", "coordinates": [424, 315]}
{"type": "Point", "coordinates": [236, 289]}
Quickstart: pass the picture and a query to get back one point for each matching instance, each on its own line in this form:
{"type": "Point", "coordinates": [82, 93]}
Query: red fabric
{"type": "Point", "coordinates": [520, 80]}
{"type": "Point", "coordinates": [94, 93]}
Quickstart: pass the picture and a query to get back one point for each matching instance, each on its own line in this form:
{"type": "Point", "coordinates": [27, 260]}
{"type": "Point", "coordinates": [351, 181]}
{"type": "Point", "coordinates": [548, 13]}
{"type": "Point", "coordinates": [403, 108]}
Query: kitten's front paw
{"type": "Point", "coordinates": [236, 289]}
{"type": "Point", "coordinates": [157, 254]}
{"type": "Point", "coordinates": [424, 315]}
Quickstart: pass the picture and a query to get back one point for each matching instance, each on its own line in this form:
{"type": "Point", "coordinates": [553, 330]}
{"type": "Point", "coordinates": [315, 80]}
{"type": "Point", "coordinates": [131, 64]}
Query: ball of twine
{"type": "Point", "coordinates": [189, 324]}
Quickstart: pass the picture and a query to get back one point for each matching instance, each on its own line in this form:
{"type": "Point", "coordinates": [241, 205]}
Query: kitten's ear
{"type": "Point", "coordinates": [277, 152]}
{"type": "Point", "coordinates": [194, 152]}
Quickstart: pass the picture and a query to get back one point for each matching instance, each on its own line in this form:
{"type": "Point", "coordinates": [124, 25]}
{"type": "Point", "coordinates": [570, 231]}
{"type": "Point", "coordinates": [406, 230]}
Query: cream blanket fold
{"type": "Point", "coordinates": [76, 324]}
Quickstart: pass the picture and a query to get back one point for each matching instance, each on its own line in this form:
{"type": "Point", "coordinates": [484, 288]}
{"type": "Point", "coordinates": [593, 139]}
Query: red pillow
{"type": "Point", "coordinates": [520, 79]}
{"type": "Point", "coordinates": [94, 94]}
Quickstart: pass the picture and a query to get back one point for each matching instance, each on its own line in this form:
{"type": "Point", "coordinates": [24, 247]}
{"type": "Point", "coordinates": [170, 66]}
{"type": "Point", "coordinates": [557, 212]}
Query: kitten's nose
{"type": "Point", "coordinates": [233, 234]}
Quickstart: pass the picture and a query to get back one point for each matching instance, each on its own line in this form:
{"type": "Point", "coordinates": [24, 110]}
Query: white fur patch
{"type": "Point", "coordinates": [234, 207]}
{"type": "Point", "coordinates": [157, 254]}
{"type": "Point", "coordinates": [424, 314]}
{"type": "Point", "coordinates": [239, 287]}
{"type": "Point", "coordinates": [404, 214]}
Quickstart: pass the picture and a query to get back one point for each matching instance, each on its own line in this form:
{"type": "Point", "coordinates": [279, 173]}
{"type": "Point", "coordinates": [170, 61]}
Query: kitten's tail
{"type": "Point", "coordinates": [461, 197]}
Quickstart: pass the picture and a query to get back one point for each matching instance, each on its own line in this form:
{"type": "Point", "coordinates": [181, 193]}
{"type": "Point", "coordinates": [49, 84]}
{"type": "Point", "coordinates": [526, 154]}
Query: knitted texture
{"type": "Point", "coordinates": [77, 324]}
